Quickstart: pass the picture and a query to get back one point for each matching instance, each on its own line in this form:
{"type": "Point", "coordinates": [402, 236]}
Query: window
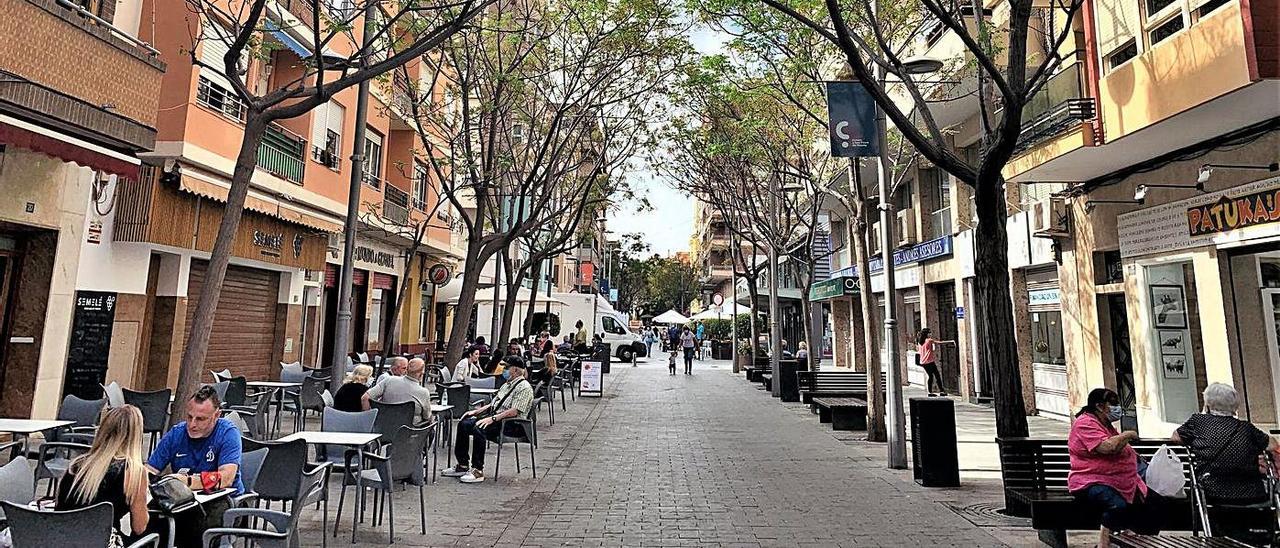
{"type": "Point", "coordinates": [1167, 29]}
{"type": "Point", "coordinates": [902, 198]}
{"type": "Point", "coordinates": [1210, 7]}
{"type": "Point", "coordinates": [1156, 6]}
{"type": "Point", "coordinates": [419, 186]}
{"type": "Point", "coordinates": [1122, 55]}
{"type": "Point", "coordinates": [326, 134]}
{"type": "Point", "coordinates": [424, 311]}
{"type": "Point", "coordinates": [938, 185]}
{"type": "Point", "coordinates": [1046, 338]}
{"type": "Point", "coordinates": [213, 90]}
{"type": "Point", "coordinates": [373, 159]}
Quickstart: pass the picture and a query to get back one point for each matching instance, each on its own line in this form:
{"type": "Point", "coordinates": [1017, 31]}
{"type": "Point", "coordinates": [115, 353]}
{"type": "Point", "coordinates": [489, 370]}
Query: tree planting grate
{"type": "Point", "coordinates": [987, 514]}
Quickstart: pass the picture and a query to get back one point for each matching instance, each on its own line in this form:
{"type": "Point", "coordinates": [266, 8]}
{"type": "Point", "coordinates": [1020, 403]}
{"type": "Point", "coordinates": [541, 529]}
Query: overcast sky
{"type": "Point", "coordinates": [668, 226]}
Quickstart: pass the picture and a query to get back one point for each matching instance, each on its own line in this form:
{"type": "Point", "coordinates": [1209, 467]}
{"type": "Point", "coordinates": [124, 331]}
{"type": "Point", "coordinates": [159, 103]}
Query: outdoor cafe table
{"type": "Point", "coordinates": [202, 498]}
{"type": "Point", "coordinates": [26, 427]}
{"type": "Point", "coordinates": [279, 387]}
{"type": "Point", "coordinates": [354, 440]}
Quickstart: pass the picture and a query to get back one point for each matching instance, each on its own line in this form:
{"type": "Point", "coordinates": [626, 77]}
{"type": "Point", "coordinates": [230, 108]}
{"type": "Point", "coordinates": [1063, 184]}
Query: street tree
{"type": "Point", "coordinates": [541, 99]}
{"type": "Point", "coordinates": [1010, 61]}
{"type": "Point", "coordinates": [401, 31]}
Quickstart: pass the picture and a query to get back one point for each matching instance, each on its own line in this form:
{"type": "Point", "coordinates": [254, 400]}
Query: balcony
{"type": "Point", "coordinates": [395, 205]}
{"type": "Point", "coordinates": [1059, 106]}
{"type": "Point", "coordinates": [282, 153]}
{"type": "Point", "coordinates": [56, 58]}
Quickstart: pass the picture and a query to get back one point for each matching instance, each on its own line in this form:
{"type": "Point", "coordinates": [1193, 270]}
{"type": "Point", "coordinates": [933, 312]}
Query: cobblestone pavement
{"type": "Point", "coordinates": [706, 460]}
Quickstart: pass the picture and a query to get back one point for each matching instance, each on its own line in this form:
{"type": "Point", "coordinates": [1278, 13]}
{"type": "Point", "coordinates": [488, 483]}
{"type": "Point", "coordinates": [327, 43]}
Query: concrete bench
{"type": "Point", "coordinates": [842, 413]}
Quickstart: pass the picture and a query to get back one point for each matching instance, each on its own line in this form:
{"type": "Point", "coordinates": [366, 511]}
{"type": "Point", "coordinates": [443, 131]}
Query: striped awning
{"type": "Point", "coordinates": [206, 186]}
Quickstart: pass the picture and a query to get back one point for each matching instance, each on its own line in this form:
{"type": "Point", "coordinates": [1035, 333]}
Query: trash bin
{"type": "Point", "coordinates": [603, 353]}
{"type": "Point", "coordinates": [788, 384]}
{"type": "Point", "coordinates": [933, 450]}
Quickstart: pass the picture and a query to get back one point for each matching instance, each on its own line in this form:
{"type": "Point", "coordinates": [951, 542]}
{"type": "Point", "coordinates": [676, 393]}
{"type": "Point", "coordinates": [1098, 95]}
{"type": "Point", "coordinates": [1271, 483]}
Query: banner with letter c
{"type": "Point", "coordinates": [851, 118]}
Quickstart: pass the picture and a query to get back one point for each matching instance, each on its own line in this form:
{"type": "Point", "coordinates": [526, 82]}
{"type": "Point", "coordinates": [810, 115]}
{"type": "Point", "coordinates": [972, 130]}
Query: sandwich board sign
{"type": "Point", "coordinates": [592, 382]}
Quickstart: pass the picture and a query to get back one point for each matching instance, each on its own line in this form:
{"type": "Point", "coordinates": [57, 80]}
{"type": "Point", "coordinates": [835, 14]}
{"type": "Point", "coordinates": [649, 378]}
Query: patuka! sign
{"type": "Point", "coordinates": [1229, 214]}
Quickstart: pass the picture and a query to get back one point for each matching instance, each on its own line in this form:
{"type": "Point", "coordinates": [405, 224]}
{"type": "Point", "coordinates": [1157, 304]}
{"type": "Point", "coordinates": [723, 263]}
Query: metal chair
{"type": "Point", "coordinates": [155, 410]}
{"type": "Point", "coordinates": [88, 527]}
{"type": "Point", "coordinates": [529, 435]}
{"type": "Point", "coordinates": [401, 465]}
{"type": "Point", "coordinates": [17, 482]}
{"type": "Point", "coordinates": [279, 529]}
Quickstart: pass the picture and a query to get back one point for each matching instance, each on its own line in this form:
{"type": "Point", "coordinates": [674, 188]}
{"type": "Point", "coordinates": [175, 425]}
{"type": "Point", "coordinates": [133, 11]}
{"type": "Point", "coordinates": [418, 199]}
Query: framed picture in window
{"type": "Point", "coordinates": [1168, 309]}
{"type": "Point", "coordinates": [1175, 367]}
{"type": "Point", "coordinates": [1173, 342]}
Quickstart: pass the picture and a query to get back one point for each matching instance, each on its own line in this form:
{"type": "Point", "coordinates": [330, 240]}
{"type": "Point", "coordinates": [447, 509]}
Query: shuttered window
{"type": "Point", "coordinates": [326, 132]}
{"type": "Point", "coordinates": [214, 90]}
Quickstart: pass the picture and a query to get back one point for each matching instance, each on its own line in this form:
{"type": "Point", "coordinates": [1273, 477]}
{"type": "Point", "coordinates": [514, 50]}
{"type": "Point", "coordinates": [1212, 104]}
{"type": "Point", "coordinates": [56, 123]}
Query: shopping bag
{"type": "Point", "coordinates": [1164, 473]}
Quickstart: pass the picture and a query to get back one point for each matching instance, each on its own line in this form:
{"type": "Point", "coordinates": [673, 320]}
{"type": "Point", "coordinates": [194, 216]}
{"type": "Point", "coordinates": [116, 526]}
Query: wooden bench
{"type": "Point", "coordinates": [767, 380]}
{"type": "Point", "coordinates": [756, 370]}
{"type": "Point", "coordinates": [1130, 540]}
{"type": "Point", "coordinates": [842, 413]}
{"type": "Point", "coordinates": [1034, 472]}
{"type": "Point", "coordinates": [831, 384]}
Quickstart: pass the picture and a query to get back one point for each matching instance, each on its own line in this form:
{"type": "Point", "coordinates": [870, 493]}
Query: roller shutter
{"type": "Point", "coordinates": [244, 326]}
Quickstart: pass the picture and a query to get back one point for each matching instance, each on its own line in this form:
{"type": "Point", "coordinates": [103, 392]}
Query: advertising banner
{"type": "Point", "coordinates": [851, 118]}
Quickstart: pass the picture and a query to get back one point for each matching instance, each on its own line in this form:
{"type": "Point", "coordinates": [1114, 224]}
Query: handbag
{"type": "Point", "coordinates": [171, 493]}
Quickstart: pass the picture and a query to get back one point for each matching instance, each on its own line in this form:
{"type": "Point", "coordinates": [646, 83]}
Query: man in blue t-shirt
{"type": "Point", "coordinates": [202, 443]}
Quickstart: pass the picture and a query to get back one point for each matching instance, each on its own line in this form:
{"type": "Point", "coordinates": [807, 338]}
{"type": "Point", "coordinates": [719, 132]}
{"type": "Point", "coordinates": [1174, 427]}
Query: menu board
{"type": "Point", "coordinates": [592, 382]}
{"type": "Point", "coordinates": [95, 313]}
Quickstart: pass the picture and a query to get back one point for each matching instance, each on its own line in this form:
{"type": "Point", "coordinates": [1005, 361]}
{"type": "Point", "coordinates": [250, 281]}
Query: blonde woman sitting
{"type": "Point", "coordinates": [350, 396]}
{"type": "Point", "coordinates": [112, 471]}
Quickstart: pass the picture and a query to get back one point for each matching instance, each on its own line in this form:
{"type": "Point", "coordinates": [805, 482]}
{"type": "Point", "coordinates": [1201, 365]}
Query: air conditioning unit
{"type": "Point", "coordinates": [1050, 219]}
{"type": "Point", "coordinates": [906, 228]}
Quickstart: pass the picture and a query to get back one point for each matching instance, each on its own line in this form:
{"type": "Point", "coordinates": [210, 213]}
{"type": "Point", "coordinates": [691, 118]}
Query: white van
{"type": "Point", "coordinates": [609, 323]}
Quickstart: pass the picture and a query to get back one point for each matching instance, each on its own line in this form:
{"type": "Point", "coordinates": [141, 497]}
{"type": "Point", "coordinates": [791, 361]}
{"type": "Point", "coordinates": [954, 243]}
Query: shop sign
{"type": "Point", "coordinates": [1043, 296]}
{"type": "Point", "coordinates": [1245, 212]}
{"type": "Point", "coordinates": [959, 312]}
{"type": "Point", "coordinates": [268, 240]}
{"type": "Point", "coordinates": [439, 274]}
{"type": "Point", "coordinates": [929, 250]}
{"type": "Point", "coordinates": [835, 287]}
{"type": "Point", "coordinates": [373, 256]}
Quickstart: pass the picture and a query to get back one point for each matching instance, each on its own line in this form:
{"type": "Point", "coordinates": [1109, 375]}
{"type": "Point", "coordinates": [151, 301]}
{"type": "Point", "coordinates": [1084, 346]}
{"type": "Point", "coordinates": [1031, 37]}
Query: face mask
{"type": "Point", "coordinates": [1115, 413]}
{"type": "Point", "coordinates": [506, 374]}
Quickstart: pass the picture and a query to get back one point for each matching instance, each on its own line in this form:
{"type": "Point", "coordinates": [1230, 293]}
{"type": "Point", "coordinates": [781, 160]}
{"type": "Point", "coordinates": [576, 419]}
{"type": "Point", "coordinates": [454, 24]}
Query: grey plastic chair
{"type": "Point", "coordinates": [308, 398]}
{"type": "Point", "coordinates": [113, 393]}
{"type": "Point", "coordinates": [219, 376]}
{"type": "Point", "coordinates": [17, 482]}
{"type": "Point", "coordinates": [220, 388]}
{"type": "Point", "coordinates": [55, 457]}
{"type": "Point", "coordinates": [155, 410]}
{"type": "Point", "coordinates": [529, 435]}
{"type": "Point", "coordinates": [84, 413]}
{"type": "Point", "coordinates": [236, 393]}
{"type": "Point", "coordinates": [88, 527]}
{"type": "Point", "coordinates": [281, 471]}
{"type": "Point", "coordinates": [333, 420]}
{"type": "Point", "coordinates": [278, 529]}
{"type": "Point", "coordinates": [391, 416]}
{"type": "Point", "coordinates": [250, 468]}
{"type": "Point", "coordinates": [402, 464]}
{"type": "Point", "coordinates": [256, 415]}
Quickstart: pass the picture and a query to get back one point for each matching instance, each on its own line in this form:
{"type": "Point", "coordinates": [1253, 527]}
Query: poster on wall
{"type": "Point", "coordinates": [592, 384]}
{"type": "Point", "coordinates": [1175, 367]}
{"type": "Point", "coordinates": [1167, 306]}
{"type": "Point", "coordinates": [91, 326]}
{"type": "Point", "coordinates": [1173, 342]}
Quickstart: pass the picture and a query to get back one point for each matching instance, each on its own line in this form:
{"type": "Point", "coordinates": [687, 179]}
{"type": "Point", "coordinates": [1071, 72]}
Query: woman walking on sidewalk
{"type": "Point", "coordinates": [926, 354]}
{"type": "Point", "coordinates": [688, 343]}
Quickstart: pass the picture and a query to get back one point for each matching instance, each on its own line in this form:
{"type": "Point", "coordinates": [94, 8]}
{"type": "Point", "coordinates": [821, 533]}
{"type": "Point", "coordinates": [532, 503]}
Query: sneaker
{"type": "Point", "coordinates": [932, 395]}
{"type": "Point", "coordinates": [455, 471]}
{"type": "Point", "coordinates": [943, 394]}
{"type": "Point", "coordinates": [474, 476]}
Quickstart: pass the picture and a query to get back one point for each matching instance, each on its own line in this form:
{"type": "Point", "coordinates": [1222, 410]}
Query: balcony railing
{"type": "Point", "coordinates": [1060, 105]}
{"type": "Point", "coordinates": [282, 152]}
{"type": "Point", "coordinates": [395, 205]}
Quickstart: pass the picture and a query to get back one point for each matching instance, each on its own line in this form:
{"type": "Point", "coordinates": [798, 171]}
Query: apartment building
{"type": "Point", "coordinates": [78, 108]}
{"type": "Point", "coordinates": [1139, 255]}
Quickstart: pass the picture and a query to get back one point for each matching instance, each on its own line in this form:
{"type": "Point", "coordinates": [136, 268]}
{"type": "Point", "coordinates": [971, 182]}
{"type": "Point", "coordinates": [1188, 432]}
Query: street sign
{"type": "Point", "coordinates": [851, 118]}
{"type": "Point", "coordinates": [835, 287]}
{"type": "Point", "coordinates": [613, 294]}
{"type": "Point", "coordinates": [959, 312]}
{"type": "Point", "coordinates": [592, 382]}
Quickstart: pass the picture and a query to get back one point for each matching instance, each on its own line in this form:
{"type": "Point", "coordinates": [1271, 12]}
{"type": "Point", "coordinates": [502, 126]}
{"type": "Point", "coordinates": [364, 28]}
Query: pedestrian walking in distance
{"type": "Point", "coordinates": [689, 344]}
{"type": "Point", "coordinates": [671, 363]}
{"type": "Point", "coordinates": [926, 354]}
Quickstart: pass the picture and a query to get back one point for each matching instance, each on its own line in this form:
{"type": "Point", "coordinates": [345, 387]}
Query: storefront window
{"type": "Point", "coordinates": [424, 312]}
{"type": "Point", "coordinates": [1046, 338]}
{"type": "Point", "coordinates": [1173, 359]}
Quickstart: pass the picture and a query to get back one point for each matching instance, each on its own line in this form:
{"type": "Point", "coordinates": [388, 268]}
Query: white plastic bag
{"type": "Point", "coordinates": [1164, 474]}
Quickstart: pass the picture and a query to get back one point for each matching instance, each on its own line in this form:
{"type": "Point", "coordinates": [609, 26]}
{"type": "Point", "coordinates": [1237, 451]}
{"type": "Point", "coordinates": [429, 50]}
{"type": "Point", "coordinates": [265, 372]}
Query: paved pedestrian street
{"type": "Point", "coordinates": [702, 460]}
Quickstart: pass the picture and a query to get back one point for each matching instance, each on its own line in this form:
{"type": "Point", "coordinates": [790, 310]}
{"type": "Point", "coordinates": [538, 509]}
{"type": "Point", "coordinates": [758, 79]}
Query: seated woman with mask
{"type": "Point", "coordinates": [1104, 469]}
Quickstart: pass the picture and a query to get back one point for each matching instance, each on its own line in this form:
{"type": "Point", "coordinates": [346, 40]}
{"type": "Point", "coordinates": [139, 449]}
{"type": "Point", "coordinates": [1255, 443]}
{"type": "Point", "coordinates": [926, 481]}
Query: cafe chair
{"type": "Point", "coordinates": [88, 527]}
{"type": "Point", "coordinates": [250, 468]}
{"type": "Point", "coordinates": [280, 475]}
{"type": "Point", "coordinates": [17, 482]}
{"type": "Point", "coordinates": [528, 435]}
{"type": "Point", "coordinates": [237, 391]}
{"type": "Point", "coordinates": [274, 528]}
{"type": "Point", "coordinates": [256, 416]}
{"type": "Point", "coordinates": [55, 457]}
{"type": "Point", "coordinates": [402, 465]}
{"type": "Point", "coordinates": [308, 398]}
{"type": "Point", "coordinates": [220, 388]}
{"type": "Point", "coordinates": [113, 394]}
{"type": "Point", "coordinates": [155, 410]}
{"type": "Point", "coordinates": [83, 413]}
{"type": "Point", "coordinates": [219, 376]}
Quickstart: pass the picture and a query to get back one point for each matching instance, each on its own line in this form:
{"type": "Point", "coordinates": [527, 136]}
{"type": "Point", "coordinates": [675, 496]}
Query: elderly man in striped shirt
{"type": "Point", "coordinates": [482, 424]}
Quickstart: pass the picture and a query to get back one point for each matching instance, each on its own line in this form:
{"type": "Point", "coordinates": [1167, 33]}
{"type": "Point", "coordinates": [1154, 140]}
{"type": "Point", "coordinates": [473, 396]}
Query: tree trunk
{"type": "Point", "coordinates": [509, 301]}
{"type": "Point", "coordinates": [875, 397]}
{"type": "Point", "coordinates": [533, 299]}
{"type": "Point", "coordinates": [201, 328]}
{"type": "Point", "coordinates": [807, 323]}
{"type": "Point", "coordinates": [466, 302]}
{"type": "Point", "coordinates": [991, 284]}
{"type": "Point", "coordinates": [754, 293]}
{"type": "Point", "coordinates": [389, 342]}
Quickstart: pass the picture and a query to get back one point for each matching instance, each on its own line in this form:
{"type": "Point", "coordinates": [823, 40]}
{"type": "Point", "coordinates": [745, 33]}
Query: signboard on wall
{"type": "Point", "coordinates": [1203, 220]}
{"type": "Point", "coordinates": [929, 250]}
{"type": "Point", "coordinates": [592, 384]}
{"type": "Point", "coordinates": [93, 317]}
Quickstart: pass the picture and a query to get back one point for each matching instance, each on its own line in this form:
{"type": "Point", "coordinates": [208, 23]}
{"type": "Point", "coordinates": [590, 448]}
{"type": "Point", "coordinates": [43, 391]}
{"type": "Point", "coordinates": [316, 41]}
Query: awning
{"type": "Point", "coordinates": [723, 312]}
{"type": "Point", "coordinates": [22, 134]}
{"type": "Point", "coordinates": [288, 41]}
{"type": "Point", "coordinates": [206, 187]}
{"type": "Point", "coordinates": [671, 317]}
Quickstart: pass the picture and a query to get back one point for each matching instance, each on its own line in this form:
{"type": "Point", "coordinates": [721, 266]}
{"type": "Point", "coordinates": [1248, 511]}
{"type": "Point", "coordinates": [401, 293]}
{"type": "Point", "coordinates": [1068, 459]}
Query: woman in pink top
{"type": "Point", "coordinates": [927, 354]}
{"type": "Point", "coordinates": [1104, 468]}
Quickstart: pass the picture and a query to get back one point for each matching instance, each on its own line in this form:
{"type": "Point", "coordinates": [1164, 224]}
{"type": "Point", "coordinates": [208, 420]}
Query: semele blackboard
{"type": "Point", "coordinates": [95, 314]}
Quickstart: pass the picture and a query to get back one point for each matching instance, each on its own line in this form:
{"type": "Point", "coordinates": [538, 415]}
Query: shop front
{"type": "Point", "coordinates": [374, 295]}
{"type": "Point", "coordinates": [840, 294]}
{"type": "Point", "coordinates": [1048, 355]}
{"type": "Point", "coordinates": [1202, 277]}
{"type": "Point", "coordinates": [909, 265]}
